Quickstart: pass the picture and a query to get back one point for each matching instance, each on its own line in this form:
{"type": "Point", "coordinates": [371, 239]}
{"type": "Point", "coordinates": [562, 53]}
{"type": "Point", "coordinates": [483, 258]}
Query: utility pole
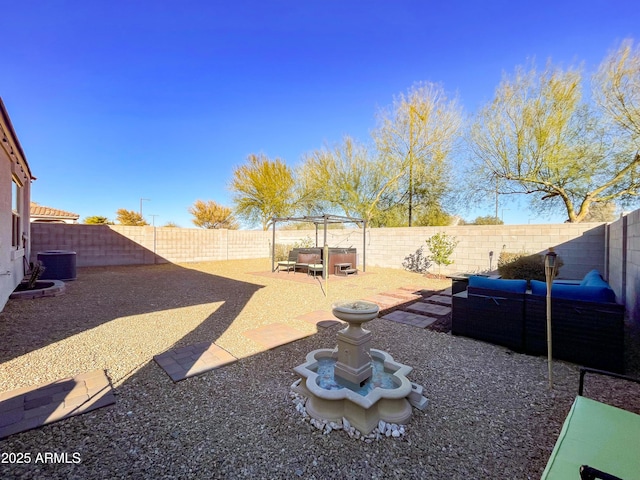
{"type": "Point", "coordinates": [147, 199]}
{"type": "Point", "coordinates": [410, 162]}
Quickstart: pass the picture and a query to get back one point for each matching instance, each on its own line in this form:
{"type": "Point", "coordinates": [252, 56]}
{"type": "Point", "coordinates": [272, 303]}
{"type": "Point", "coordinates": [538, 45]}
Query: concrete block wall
{"type": "Point", "coordinates": [632, 297]}
{"type": "Point", "coordinates": [581, 245]}
{"type": "Point", "coordinates": [613, 249]}
{"type": "Point", "coordinates": [181, 245]}
{"type": "Point", "coordinates": [95, 245]}
{"type": "Point", "coordinates": [616, 256]}
{"type": "Point", "coordinates": [624, 262]}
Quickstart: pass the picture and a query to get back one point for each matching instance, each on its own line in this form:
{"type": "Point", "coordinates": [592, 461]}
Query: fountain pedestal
{"type": "Point", "coordinates": [354, 356]}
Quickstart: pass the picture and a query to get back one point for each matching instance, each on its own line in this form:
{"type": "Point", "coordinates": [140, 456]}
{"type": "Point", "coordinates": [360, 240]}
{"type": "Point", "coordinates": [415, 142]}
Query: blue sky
{"type": "Point", "coordinates": [121, 100]}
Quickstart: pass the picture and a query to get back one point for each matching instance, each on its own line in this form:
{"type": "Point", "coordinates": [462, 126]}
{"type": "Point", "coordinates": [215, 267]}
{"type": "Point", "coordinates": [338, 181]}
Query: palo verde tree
{"type": "Point", "coordinates": [347, 178]}
{"type": "Point", "coordinates": [129, 217]}
{"type": "Point", "coordinates": [617, 90]}
{"type": "Point", "coordinates": [539, 137]}
{"type": "Point", "coordinates": [263, 189]}
{"type": "Point", "coordinates": [96, 220]}
{"type": "Point", "coordinates": [211, 215]}
{"type": "Point", "coordinates": [415, 138]}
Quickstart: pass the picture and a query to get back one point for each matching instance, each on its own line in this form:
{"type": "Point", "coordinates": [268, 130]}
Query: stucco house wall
{"type": "Point", "coordinates": [15, 194]}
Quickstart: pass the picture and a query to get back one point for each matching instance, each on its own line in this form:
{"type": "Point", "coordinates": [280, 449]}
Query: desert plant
{"type": "Point", "coordinates": [306, 242]}
{"type": "Point", "coordinates": [417, 262]}
{"type": "Point", "coordinates": [37, 269]}
{"type": "Point", "coordinates": [441, 246]}
{"type": "Point", "coordinates": [281, 252]}
{"type": "Point", "coordinates": [523, 265]}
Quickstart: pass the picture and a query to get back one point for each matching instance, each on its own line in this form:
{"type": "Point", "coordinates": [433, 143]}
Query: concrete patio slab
{"type": "Point", "coordinates": [408, 318]}
{"type": "Point", "coordinates": [430, 308]}
{"type": "Point", "coordinates": [274, 335]}
{"type": "Point", "coordinates": [192, 360]}
{"type": "Point", "coordinates": [32, 407]}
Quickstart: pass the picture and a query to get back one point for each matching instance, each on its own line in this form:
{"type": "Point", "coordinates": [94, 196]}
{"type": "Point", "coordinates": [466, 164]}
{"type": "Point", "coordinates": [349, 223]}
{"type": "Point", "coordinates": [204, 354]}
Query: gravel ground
{"type": "Point", "coordinates": [490, 411]}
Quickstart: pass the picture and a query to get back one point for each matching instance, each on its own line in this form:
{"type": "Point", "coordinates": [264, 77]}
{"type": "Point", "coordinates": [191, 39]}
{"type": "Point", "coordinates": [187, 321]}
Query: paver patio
{"type": "Point", "coordinates": [192, 360]}
{"type": "Point", "coordinates": [409, 318]}
{"type": "Point", "coordinates": [429, 308]}
{"type": "Point", "coordinates": [31, 407]}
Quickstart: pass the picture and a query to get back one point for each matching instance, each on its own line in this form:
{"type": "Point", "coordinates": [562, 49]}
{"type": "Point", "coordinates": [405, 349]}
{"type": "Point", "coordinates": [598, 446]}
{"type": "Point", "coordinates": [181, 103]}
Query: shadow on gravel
{"type": "Point", "coordinates": [103, 294]}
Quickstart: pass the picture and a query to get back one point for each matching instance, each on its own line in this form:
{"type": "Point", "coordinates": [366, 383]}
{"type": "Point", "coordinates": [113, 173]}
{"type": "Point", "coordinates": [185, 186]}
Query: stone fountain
{"type": "Point", "coordinates": [354, 381]}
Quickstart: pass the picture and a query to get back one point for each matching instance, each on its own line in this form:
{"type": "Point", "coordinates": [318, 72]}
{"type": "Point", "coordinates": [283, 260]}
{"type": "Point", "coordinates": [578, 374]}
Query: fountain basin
{"type": "Point", "coordinates": [356, 312]}
{"type": "Point", "coordinates": [362, 410]}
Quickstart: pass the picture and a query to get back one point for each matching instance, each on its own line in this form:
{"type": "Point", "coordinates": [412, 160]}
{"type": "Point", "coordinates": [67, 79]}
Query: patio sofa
{"type": "Point", "coordinates": [303, 257]}
{"type": "Point", "coordinates": [597, 440]}
{"type": "Point", "coordinates": [491, 310]}
{"type": "Point", "coordinates": [587, 324]}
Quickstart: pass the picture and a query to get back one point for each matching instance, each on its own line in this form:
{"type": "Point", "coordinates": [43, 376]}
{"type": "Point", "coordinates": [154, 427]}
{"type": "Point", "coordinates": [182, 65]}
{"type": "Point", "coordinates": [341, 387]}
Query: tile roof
{"type": "Point", "coordinates": [42, 211]}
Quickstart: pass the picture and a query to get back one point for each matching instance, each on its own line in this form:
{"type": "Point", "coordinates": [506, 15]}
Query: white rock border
{"type": "Point", "coordinates": [383, 430]}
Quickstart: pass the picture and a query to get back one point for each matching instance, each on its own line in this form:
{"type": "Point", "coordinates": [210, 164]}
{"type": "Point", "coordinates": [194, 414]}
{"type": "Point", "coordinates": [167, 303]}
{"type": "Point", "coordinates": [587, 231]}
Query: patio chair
{"type": "Point", "coordinates": [306, 259]}
{"type": "Point", "coordinates": [597, 440]}
{"type": "Point", "coordinates": [289, 264]}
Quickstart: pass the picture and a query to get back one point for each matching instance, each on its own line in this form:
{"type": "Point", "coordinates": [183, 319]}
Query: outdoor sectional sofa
{"type": "Point", "coordinates": [491, 310]}
{"type": "Point", "coordinates": [587, 324]}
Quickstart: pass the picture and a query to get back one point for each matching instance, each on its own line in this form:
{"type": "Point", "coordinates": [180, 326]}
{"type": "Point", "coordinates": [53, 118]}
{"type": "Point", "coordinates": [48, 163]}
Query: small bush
{"type": "Point", "coordinates": [282, 249]}
{"type": "Point", "coordinates": [306, 242]}
{"type": "Point", "coordinates": [524, 266]}
{"type": "Point", "coordinates": [281, 252]}
{"type": "Point", "coordinates": [417, 262]}
{"type": "Point", "coordinates": [441, 246]}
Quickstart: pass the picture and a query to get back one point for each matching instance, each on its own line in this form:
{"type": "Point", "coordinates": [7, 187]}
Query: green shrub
{"type": "Point", "coordinates": [524, 266]}
{"type": "Point", "coordinates": [441, 246]}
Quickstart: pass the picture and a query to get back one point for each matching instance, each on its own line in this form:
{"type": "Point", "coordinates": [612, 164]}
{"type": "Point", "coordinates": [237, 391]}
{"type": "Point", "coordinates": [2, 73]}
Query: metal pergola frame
{"type": "Point", "coordinates": [325, 220]}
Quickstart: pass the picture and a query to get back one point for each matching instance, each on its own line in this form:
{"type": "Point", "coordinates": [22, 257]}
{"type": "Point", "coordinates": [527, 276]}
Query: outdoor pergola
{"type": "Point", "coordinates": [325, 220]}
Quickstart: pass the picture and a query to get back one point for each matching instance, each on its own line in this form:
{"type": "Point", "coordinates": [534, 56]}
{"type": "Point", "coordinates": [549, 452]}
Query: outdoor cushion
{"type": "Point", "coordinates": [602, 293]}
{"type": "Point", "coordinates": [598, 435]}
{"type": "Point", "coordinates": [593, 279]}
{"type": "Point", "coordinates": [513, 286]}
